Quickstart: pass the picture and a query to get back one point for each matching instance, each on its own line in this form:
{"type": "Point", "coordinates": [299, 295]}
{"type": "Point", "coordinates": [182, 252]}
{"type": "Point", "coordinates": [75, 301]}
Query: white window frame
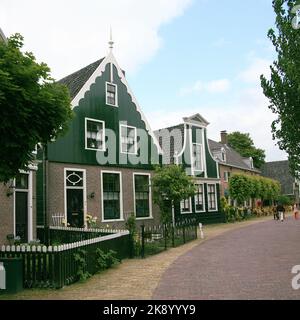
{"type": "Point", "coordinates": [194, 158]}
{"type": "Point", "coordinates": [216, 198]}
{"type": "Point", "coordinates": [226, 176]}
{"type": "Point", "coordinates": [85, 132]}
{"type": "Point", "coordinates": [203, 194]}
{"type": "Point", "coordinates": [116, 94]}
{"type": "Point", "coordinates": [150, 195]}
{"type": "Point", "coordinates": [121, 197]}
{"type": "Point", "coordinates": [191, 209]}
{"type": "Point", "coordinates": [29, 203]}
{"type": "Point", "coordinates": [223, 155]}
{"type": "Point", "coordinates": [135, 138]}
{"type": "Point", "coordinates": [81, 188]}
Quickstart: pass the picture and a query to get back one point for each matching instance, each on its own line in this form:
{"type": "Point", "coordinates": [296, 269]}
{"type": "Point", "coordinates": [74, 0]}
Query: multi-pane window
{"type": "Point", "coordinates": [111, 196]}
{"type": "Point", "coordinates": [211, 197]}
{"type": "Point", "coordinates": [111, 94]}
{"type": "Point", "coordinates": [185, 206]}
{"type": "Point", "coordinates": [142, 195]}
{"type": "Point", "coordinates": [197, 154]}
{"type": "Point", "coordinates": [199, 198]}
{"type": "Point", "coordinates": [226, 176]}
{"type": "Point", "coordinates": [94, 134]}
{"type": "Point", "coordinates": [128, 139]}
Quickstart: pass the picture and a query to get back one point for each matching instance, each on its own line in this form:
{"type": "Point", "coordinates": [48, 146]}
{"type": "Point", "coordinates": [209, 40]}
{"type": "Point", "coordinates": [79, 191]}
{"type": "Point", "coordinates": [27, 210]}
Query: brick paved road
{"type": "Point", "coordinates": [249, 263]}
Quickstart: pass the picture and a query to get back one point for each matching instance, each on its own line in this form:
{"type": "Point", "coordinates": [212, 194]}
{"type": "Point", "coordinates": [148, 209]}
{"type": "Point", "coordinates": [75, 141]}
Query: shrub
{"type": "Point", "coordinates": [80, 258]}
{"type": "Point", "coordinates": [106, 260]}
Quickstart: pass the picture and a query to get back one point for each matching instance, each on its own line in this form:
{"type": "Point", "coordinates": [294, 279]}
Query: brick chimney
{"type": "Point", "coordinates": [224, 139]}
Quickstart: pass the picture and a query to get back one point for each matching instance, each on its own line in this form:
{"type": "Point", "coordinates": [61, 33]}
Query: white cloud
{"type": "Point", "coordinates": [257, 67]}
{"type": "Point", "coordinates": [248, 113]}
{"type": "Point", "coordinates": [214, 86]}
{"type": "Point", "coordinates": [70, 34]}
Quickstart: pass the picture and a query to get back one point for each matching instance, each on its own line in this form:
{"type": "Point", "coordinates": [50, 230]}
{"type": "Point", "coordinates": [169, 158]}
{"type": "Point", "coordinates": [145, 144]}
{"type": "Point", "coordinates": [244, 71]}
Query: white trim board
{"type": "Point", "coordinates": [81, 188]}
{"type": "Point", "coordinates": [85, 134]}
{"type": "Point", "coordinates": [29, 192]}
{"type": "Point", "coordinates": [116, 105]}
{"type": "Point", "coordinates": [135, 139]}
{"type": "Point", "coordinates": [216, 198]}
{"type": "Point", "coordinates": [150, 195]}
{"type": "Point", "coordinates": [121, 196]}
{"type": "Point", "coordinates": [203, 199]}
{"type": "Point", "coordinates": [190, 200]}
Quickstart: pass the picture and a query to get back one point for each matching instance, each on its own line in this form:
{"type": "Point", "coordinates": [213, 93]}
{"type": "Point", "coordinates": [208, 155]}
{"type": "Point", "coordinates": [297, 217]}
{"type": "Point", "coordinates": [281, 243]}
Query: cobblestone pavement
{"type": "Point", "coordinates": [254, 262]}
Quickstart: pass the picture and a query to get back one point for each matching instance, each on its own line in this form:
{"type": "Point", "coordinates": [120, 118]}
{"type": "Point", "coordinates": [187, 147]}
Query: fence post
{"type": "Point", "coordinates": [173, 236]}
{"type": "Point", "coordinates": [183, 233]}
{"type": "Point", "coordinates": [131, 244]}
{"type": "Point", "coordinates": [165, 235]}
{"type": "Point", "coordinates": [143, 242]}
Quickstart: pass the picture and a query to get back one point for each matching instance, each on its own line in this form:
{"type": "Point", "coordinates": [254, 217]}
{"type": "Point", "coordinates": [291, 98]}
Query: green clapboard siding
{"type": "Point", "coordinates": [211, 164]}
{"type": "Point", "coordinates": [71, 147]}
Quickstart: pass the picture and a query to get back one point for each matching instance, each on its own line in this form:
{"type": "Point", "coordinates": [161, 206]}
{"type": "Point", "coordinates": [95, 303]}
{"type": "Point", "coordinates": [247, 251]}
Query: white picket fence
{"type": "Point", "coordinates": [64, 247]}
{"type": "Point", "coordinates": [95, 230]}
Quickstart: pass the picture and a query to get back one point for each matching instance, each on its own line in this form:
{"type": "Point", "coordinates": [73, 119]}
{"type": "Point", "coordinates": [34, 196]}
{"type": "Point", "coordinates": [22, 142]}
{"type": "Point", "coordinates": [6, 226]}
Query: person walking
{"type": "Point", "coordinates": [280, 210]}
{"type": "Point", "coordinates": [275, 213]}
{"type": "Point", "coordinates": [295, 211]}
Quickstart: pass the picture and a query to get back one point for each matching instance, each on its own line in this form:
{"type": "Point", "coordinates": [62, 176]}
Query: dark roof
{"type": "Point", "coordinates": [76, 80]}
{"type": "Point", "coordinates": [233, 158]}
{"type": "Point", "coordinates": [280, 171]}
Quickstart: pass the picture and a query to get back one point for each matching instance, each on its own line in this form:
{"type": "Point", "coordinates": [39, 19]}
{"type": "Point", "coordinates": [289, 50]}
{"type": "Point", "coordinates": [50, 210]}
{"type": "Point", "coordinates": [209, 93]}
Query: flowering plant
{"type": "Point", "coordinates": [64, 223]}
{"type": "Point", "coordinates": [91, 221]}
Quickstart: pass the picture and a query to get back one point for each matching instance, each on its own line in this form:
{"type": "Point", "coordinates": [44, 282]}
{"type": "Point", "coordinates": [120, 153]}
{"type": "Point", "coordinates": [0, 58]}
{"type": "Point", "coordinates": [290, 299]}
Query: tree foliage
{"type": "Point", "coordinates": [243, 144]}
{"type": "Point", "coordinates": [283, 88]}
{"type": "Point", "coordinates": [243, 187]}
{"type": "Point", "coordinates": [33, 108]}
{"type": "Point", "coordinates": [170, 185]}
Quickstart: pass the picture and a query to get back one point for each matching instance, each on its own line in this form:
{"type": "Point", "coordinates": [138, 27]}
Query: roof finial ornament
{"type": "Point", "coordinates": [111, 43]}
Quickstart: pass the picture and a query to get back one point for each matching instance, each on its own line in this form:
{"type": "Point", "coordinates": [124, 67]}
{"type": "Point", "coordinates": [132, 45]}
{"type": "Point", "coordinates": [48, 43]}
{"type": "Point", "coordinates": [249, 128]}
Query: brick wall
{"type": "Point", "coordinates": [224, 185]}
{"type": "Point", "coordinates": [93, 185]}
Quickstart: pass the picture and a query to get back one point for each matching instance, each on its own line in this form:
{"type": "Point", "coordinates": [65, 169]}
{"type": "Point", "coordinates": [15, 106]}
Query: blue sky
{"type": "Point", "coordinates": [180, 56]}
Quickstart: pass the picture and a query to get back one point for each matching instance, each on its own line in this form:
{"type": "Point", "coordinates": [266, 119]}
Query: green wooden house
{"type": "Point", "coordinates": [186, 144]}
{"type": "Point", "coordinates": [103, 166]}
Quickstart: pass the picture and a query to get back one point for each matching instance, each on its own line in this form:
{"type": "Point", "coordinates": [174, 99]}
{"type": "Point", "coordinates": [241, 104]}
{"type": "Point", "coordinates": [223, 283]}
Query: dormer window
{"type": "Point", "coordinates": [223, 155]}
{"type": "Point", "coordinates": [111, 94]}
{"type": "Point", "coordinates": [251, 163]}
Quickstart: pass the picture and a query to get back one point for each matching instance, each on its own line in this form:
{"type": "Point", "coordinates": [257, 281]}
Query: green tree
{"type": "Point", "coordinates": [240, 187]}
{"type": "Point", "coordinates": [283, 88]}
{"type": "Point", "coordinates": [170, 185]}
{"type": "Point", "coordinates": [243, 144]}
{"type": "Point", "coordinates": [243, 187]}
{"type": "Point", "coordinates": [33, 108]}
